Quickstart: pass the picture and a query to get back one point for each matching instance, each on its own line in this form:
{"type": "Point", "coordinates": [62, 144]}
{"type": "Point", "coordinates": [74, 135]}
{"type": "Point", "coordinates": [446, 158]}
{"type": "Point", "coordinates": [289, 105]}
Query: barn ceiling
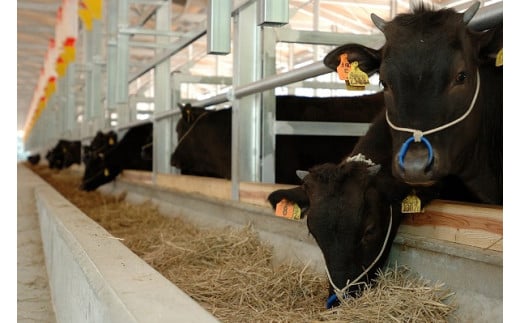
{"type": "Point", "coordinates": [36, 26]}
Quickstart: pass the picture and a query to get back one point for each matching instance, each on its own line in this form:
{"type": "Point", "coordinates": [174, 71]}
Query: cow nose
{"type": "Point", "coordinates": [416, 164]}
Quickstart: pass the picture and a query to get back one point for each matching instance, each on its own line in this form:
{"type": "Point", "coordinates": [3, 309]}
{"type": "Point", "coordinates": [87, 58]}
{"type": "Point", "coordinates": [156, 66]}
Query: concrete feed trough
{"type": "Point", "coordinates": [110, 283]}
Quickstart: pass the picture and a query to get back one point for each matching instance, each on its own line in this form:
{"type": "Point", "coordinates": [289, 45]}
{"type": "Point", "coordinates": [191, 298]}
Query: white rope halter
{"type": "Point", "coordinates": [341, 291]}
{"type": "Point", "coordinates": [418, 134]}
{"type": "Point", "coordinates": [179, 141]}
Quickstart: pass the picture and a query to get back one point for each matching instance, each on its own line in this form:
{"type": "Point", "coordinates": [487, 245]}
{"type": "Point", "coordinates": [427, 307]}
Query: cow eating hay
{"type": "Point", "coordinates": [231, 272]}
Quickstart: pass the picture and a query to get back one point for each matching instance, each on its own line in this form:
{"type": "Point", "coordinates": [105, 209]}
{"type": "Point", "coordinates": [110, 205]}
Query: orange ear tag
{"type": "Point", "coordinates": [289, 210]}
{"type": "Point", "coordinates": [344, 67]}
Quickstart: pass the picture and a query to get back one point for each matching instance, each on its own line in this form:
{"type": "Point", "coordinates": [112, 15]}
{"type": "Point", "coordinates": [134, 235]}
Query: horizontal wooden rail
{"type": "Point", "coordinates": [476, 225]}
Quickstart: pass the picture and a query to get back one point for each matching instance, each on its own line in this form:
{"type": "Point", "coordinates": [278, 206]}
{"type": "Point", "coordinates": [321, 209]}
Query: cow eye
{"type": "Point", "coordinates": [461, 77]}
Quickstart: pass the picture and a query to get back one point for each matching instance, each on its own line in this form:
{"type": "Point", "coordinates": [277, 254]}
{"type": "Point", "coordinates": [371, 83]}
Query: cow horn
{"type": "Point", "coordinates": [302, 173]}
{"type": "Point", "coordinates": [378, 21]}
{"type": "Point", "coordinates": [470, 12]}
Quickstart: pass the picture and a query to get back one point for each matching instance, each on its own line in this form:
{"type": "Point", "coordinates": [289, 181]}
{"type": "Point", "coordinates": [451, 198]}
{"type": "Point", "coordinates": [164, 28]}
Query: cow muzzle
{"type": "Point", "coordinates": [415, 163]}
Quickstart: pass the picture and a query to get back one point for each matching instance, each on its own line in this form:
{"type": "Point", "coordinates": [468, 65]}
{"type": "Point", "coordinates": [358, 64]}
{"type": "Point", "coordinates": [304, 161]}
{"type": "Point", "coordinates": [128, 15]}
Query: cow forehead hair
{"type": "Point", "coordinates": [332, 173]}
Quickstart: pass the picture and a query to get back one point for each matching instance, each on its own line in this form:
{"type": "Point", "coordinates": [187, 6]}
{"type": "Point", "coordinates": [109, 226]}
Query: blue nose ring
{"type": "Point", "coordinates": [406, 145]}
{"type": "Point", "coordinates": [331, 300]}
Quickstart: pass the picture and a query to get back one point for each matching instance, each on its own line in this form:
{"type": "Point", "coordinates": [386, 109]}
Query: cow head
{"type": "Point", "coordinates": [349, 212]}
{"type": "Point", "coordinates": [429, 68]}
{"type": "Point", "coordinates": [100, 170]}
{"type": "Point", "coordinates": [99, 144]}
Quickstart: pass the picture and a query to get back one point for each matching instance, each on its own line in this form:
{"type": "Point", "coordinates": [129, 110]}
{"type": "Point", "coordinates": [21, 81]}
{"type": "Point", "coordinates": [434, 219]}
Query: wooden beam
{"type": "Point", "coordinates": [476, 225]}
{"type": "Point", "coordinates": [252, 193]}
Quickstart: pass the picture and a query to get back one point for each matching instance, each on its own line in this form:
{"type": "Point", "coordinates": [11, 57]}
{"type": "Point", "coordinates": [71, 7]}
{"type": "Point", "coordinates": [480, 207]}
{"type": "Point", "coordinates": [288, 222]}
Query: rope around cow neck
{"type": "Point", "coordinates": [418, 134]}
{"type": "Point", "coordinates": [339, 293]}
{"type": "Point", "coordinates": [179, 141]}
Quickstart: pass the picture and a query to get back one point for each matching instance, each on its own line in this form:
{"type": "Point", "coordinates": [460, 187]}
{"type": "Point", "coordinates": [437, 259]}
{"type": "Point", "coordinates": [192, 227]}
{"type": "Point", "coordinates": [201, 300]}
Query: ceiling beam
{"type": "Point", "coordinates": [35, 6]}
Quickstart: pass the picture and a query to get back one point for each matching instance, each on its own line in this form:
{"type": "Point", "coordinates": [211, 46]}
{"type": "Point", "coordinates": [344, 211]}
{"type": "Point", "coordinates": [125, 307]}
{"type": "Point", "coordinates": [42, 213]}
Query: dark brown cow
{"type": "Point", "coordinates": [64, 154]}
{"type": "Point", "coordinates": [204, 147]}
{"type": "Point", "coordinates": [348, 208]}
{"type": "Point", "coordinates": [443, 95]}
{"type": "Point", "coordinates": [99, 144]}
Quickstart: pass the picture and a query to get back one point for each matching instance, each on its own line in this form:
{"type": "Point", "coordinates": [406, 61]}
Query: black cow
{"type": "Point", "coordinates": [443, 95]}
{"type": "Point", "coordinates": [34, 159]}
{"type": "Point", "coordinates": [203, 142]}
{"type": "Point", "coordinates": [147, 148]}
{"type": "Point", "coordinates": [349, 205]}
{"type": "Point", "coordinates": [100, 143]}
{"type": "Point", "coordinates": [64, 154]}
{"type": "Point", "coordinates": [105, 166]}
{"type": "Point", "coordinates": [204, 147]}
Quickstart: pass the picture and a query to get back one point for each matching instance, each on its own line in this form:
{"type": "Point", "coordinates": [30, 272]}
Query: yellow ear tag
{"type": "Point", "coordinates": [500, 57]}
{"type": "Point", "coordinates": [344, 67]}
{"type": "Point", "coordinates": [289, 210]}
{"type": "Point", "coordinates": [106, 172]}
{"type": "Point", "coordinates": [110, 141]}
{"type": "Point", "coordinates": [357, 79]}
{"type": "Point", "coordinates": [411, 204]}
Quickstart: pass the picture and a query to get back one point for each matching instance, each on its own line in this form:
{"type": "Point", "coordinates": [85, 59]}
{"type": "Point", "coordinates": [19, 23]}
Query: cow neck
{"type": "Point", "coordinates": [340, 292]}
{"type": "Point", "coordinates": [418, 134]}
{"type": "Point", "coordinates": [191, 128]}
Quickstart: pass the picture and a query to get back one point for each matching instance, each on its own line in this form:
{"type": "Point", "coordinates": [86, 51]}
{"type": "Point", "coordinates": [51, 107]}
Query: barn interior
{"type": "Point", "coordinates": [88, 66]}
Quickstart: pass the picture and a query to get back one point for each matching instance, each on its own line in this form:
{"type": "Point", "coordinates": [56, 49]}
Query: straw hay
{"type": "Point", "coordinates": [230, 272]}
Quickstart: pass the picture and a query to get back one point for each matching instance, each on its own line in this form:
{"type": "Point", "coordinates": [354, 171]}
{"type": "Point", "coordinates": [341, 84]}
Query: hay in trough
{"type": "Point", "coordinates": [230, 272]}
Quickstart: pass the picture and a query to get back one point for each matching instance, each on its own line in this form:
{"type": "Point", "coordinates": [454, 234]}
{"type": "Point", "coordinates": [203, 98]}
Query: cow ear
{"type": "Point", "coordinates": [470, 12]}
{"type": "Point", "coordinates": [185, 111]}
{"type": "Point", "coordinates": [301, 174]}
{"type": "Point", "coordinates": [490, 43]}
{"type": "Point", "coordinates": [373, 170]}
{"type": "Point", "coordinates": [368, 59]}
{"type": "Point", "coordinates": [379, 22]}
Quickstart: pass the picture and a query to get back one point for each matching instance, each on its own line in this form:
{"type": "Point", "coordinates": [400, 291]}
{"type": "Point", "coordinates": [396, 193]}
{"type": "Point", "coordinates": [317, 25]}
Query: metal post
{"type": "Point", "coordinates": [268, 107]}
{"type": "Point", "coordinates": [122, 62]}
{"type": "Point", "coordinates": [219, 27]}
{"type": "Point", "coordinates": [246, 111]}
{"type": "Point", "coordinates": [162, 99]}
{"type": "Point", "coordinates": [111, 69]}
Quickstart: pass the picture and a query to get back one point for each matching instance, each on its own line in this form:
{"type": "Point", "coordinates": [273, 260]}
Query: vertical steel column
{"type": "Point", "coordinates": [162, 131]}
{"type": "Point", "coordinates": [93, 115]}
{"type": "Point", "coordinates": [219, 26]}
{"type": "Point", "coordinates": [246, 111]}
{"type": "Point", "coordinates": [122, 65]}
{"type": "Point", "coordinates": [87, 93]}
{"type": "Point", "coordinates": [268, 107]}
{"type": "Point", "coordinates": [111, 58]}
{"type": "Point", "coordinates": [70, 101]}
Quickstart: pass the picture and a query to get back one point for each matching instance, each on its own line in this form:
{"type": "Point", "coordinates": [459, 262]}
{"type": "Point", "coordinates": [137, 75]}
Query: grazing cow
{"type": "Point", "coordinates": [34, 159]}
{"type": "Point", "coordinates": [205, 136]}
{"type": "Point", "coordinates": [443, 97]}
{"type": "Point", "coordinates": [353, 209]}
{"type": "Point", "coordinates": [105, 166]}
{"type": "Point", "coordinates": [64, 154]}
{"type": "Point", "coordinates": [99, 144]}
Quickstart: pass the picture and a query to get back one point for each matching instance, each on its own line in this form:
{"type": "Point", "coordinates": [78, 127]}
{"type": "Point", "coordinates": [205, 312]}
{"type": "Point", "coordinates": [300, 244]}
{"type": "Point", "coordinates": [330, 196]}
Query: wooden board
{"type": "Point", "coordinates": [476, 225]}
{"type": "Point", "coordinates": [249, 192]}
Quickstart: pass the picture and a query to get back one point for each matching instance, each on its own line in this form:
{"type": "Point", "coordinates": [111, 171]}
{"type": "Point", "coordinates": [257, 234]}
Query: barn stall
{"type": "Point", "coordinates": [111, 86]}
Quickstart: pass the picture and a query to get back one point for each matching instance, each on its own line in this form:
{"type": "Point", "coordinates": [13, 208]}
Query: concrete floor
{"type": "Point", "coordinates": [33, 293]}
